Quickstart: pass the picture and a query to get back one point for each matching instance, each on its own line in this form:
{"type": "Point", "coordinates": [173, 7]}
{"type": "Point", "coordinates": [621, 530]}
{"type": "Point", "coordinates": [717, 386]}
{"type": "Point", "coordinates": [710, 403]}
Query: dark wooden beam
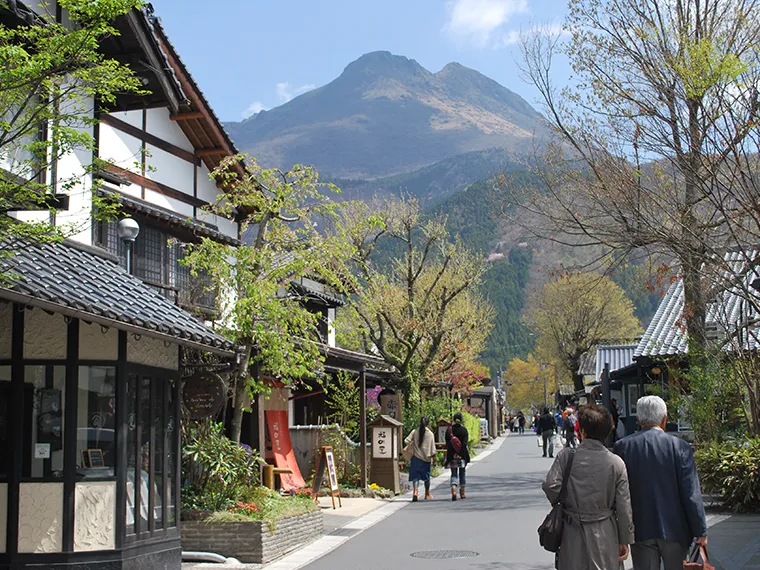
{"type": "Point", "coordinates": [146, 137]}
{"type": "Point", "coordinates": [210, 151]}
{"type": "Point", "coordinates": [186, 116]}
{"type": "Point", "coordinates": [162, 189]}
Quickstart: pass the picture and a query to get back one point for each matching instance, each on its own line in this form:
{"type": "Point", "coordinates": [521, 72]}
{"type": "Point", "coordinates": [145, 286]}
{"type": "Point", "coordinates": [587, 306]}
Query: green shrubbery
{"type": "Point", "coordinates": [472, 423]}
{"type": "Point", "coordinates": [731, 470]}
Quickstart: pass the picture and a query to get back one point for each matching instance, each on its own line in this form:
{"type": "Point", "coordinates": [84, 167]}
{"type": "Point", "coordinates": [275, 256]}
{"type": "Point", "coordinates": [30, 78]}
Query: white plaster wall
{"type": "Point", "coordinates": [159, 124]}
{"type": "Point", "coordinates": [94, 515]}
{"type": "Point", "coordinates": [176, 206]}
{"type": "Point", "coordinates": [6, 321]}
{"type": "Point", "coordinates": [44, 335]}
{"type": "Point", "coordinates": [170, 170]}
{"type": "Point", "coordinates": [330, 327]}
{"type": "Point", "coordinates": [152, 352]}
{"type": "Point", "coordinates": [121, 149]}
{"type": "Point", "coordinates": [134, 118]}
{"type": "Point", "coordinates": [40, 517]}
{"type": "Point", "coordinates": [207, 190]}
{"type": "Point", "coordinates": [71, 169]}
{"type": "Point", "coordinates": [3, 514]}
{"type": "Point", "coordinates": [96, 345]}
{"type": "Point", "coordinates": [227, 227]}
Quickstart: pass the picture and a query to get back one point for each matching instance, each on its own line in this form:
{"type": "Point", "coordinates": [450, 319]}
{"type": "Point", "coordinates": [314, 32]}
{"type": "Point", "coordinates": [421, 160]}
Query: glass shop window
{"type": "Point", "coordinates": [44, 410]}
{"type": "Point", "coordinates": [96, 421]}
{"type": "Point", "coordinates": [5, 442]}
{"type": "Point", "coordinates": [151, 455]}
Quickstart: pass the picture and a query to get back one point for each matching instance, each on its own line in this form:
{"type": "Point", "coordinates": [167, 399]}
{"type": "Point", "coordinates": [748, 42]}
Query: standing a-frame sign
{"type": "Point", "coordinates": [327, 459]}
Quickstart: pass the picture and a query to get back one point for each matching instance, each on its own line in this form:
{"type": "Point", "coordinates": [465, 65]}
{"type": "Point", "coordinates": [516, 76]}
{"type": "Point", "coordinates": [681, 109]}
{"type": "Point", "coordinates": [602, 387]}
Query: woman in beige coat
{"type": "Point", "coordinates": [422, 444]}
{"type": "Point", "coordinates": [599, 522]}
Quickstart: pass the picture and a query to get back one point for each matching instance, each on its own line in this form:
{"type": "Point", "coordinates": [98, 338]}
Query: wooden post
{"type": "Point", "coordinates": [269, 476]}
{"type": "Point", "coordinates": [363, 424]}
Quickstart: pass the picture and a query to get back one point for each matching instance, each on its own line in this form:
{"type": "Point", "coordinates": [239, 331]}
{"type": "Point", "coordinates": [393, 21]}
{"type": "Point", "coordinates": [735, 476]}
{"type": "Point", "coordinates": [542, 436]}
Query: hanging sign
{"type": "Point", "coordinates": [203, 395]}
{"type": "Point", "coordinates": [326, 459]}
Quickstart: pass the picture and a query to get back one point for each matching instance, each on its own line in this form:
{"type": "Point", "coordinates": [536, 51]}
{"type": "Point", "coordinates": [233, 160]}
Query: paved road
{"type": "Point", "coordinates": [498, 520]}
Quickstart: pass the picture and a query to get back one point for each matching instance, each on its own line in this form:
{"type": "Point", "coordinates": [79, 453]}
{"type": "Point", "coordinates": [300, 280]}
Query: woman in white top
{"type": "Point", "coordinates": [423, 454]}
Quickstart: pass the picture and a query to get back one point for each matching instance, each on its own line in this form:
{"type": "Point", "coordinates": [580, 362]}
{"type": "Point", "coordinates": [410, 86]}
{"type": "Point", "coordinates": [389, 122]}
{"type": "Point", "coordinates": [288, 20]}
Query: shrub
{"type": "Point", "coordinates": [731, 470]}
{"type": "Point", "coordinates": [215, 470]}
{"type": "Point", "coordinates": [472, 423]}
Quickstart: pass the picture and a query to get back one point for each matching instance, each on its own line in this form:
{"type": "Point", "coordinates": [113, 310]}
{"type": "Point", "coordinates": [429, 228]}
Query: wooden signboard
{"type": "Point", "coordinates": [326, 459]}
{"type": "Point", "coordinates": [203, 395]}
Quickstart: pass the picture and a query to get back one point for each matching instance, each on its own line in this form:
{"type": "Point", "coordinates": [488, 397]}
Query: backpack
{"type": "Point", "coordinates": [456, 443]}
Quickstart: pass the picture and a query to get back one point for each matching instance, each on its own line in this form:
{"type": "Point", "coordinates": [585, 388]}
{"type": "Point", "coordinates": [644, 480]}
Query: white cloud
{"type": "Point", "coordinates": [253, 108]}
{"type": "Point", "coordinates": [478, 21]}
{"type": "Point", "coordinates": [286, 92]}
{"type": "Point", "coordinates": [512, 37]}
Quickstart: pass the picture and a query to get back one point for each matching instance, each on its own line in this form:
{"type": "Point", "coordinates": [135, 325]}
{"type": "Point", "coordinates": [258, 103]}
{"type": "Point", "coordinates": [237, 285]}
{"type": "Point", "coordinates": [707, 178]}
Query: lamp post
{"type": "Point", "coordinates": [128, 229]}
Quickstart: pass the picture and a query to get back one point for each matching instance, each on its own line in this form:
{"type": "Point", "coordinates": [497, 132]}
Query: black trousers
{"type": "Point", "coordinates": [546, 436]}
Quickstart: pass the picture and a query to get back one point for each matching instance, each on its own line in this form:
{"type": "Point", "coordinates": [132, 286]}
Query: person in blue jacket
{"type": "Point", "coordinates": [668, 511]}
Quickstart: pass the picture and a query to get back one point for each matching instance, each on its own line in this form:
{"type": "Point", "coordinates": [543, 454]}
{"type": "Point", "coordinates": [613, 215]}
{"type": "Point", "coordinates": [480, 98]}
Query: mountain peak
{"type": "Point", "coordinates": [383, 63]}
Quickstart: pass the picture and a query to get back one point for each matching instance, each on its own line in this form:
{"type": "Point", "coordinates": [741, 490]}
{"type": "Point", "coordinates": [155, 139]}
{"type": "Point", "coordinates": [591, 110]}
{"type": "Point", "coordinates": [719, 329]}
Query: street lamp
{"type": "Point", "coordinates": [128, 229]}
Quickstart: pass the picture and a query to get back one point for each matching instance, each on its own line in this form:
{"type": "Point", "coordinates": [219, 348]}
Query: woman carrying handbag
{"type": "Point", "coordinates": [598, 522]}
{"type": "Point", "coordinates": [420, 449]}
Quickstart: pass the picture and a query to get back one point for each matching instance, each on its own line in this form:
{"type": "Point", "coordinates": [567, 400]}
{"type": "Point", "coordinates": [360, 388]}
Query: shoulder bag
{"type": "Point", "coordinates": [408, 452]}
{"type": "Point", "coordinates": [550, 531]}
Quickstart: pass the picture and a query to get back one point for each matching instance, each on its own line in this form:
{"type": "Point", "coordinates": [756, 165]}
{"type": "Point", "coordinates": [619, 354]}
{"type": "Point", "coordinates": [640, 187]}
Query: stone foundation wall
{"type": "Point", "coordinates": [252, 541]}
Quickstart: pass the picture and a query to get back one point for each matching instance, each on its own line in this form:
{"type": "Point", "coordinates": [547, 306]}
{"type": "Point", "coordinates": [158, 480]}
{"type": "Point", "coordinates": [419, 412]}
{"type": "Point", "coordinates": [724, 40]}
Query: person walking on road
{"type": "Point", "coordinates": [570, 422]}
{"type": "Point", "coordinates": [546, 427]}
{"type": "Point", "coordinates": [457, 455]}
{"type": "Point", "coordinates": [668, 510]}
{"type": "Point", "coordinates": [598, 519]}
{"type": "Point", "coordinates": [423, 450]}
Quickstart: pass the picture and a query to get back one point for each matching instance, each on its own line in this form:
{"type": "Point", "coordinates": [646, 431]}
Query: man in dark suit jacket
{"type": "Point", "coordinates": [668, 512]}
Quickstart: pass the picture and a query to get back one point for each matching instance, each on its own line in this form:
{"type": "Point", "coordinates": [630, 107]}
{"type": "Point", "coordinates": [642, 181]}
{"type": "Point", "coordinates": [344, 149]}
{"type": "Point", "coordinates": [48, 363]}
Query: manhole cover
{"type": "Point", "coordinates": [445, 554]}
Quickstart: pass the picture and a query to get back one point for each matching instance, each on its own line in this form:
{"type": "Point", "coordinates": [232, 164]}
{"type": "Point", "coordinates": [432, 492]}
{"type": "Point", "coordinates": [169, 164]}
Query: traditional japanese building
{"type": "Point", "coordinates": [90, 353]}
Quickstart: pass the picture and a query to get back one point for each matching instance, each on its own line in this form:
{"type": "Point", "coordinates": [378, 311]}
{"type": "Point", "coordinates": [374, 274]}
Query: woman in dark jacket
{"type": "Point", "coordinates": [457, 459]}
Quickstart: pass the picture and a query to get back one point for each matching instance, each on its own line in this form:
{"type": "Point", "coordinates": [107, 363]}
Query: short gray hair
{"type": "Point", "coordinates": [651, 410]}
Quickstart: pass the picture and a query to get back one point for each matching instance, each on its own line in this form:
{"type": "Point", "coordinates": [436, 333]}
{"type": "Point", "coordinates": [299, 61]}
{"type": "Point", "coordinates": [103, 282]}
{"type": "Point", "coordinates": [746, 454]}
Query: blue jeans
{"type": "Point", "coordinates": [458, 475]}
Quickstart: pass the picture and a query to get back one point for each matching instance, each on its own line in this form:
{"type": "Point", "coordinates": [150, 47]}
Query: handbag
{"type": "Point", "coordinates": [692, 562]}
{"type": "Point", "coordinates": [550, 531]}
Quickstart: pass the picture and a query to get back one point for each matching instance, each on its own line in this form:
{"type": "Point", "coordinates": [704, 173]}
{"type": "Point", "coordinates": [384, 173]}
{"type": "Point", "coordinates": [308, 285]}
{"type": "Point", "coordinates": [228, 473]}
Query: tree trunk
{"type": "Point", "coordinates": [694, 311]}
{"type": "Point", "coordinates": [241, 379]}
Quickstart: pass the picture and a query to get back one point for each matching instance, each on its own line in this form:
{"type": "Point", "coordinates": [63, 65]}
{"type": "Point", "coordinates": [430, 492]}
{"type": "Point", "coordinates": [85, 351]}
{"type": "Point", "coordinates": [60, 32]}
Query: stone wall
{"type": "Point", "coordinates": [252, 541]}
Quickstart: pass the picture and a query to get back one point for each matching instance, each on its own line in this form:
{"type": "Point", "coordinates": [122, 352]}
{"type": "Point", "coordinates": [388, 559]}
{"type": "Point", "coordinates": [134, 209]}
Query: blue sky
{"type": "Point", "coordinates": [249, 55]}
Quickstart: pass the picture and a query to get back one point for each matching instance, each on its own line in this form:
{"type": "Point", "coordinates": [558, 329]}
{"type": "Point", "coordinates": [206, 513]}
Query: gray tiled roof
{"type": "Point", "coordinates": [616, 355]}
{"type": "Point", "coordinates": [666, 334]}
{"type": "Point", "coordinates": [71, 280]}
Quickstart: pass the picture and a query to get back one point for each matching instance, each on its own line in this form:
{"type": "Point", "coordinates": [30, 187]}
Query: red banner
{"type": "Point", "coordinates": [284, 458]}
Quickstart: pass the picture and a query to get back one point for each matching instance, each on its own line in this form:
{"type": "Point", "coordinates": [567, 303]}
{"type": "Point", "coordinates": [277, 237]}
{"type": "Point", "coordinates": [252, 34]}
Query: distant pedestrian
{"type": "Point", "coordinates": [599, 524]}
{"type": "Point", "coordinates": [546, 427]}
{"type": "Point", "coordinates": [457, 455]}
{"type": "Point", "coordinates": [516, 424]}
{"type": "Point", "coordinates": [570, 421]}
{"type": "Point", "coordinates": [521, 422]}
{"type": "Point", "coordinates": [615, 417]}
{"type": "Point", "coordinates": [423, 449]}
{"type": "Point", "coordinates": [667, 501]}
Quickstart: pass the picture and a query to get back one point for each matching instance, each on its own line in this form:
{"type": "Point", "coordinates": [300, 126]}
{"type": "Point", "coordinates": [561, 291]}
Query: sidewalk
{"type": "Point", "coordinates": [734, 541]}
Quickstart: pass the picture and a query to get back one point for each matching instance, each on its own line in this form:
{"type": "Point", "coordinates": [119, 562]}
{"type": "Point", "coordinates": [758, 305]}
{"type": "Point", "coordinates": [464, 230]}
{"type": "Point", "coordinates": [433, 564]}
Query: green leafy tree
{"type": "Point", "coordinates": [343, 401]}
{"type": "Point", "coordinates": [51, 75]}
{"type": "Point", "coordinates": [529, 383]}
{"type": "Point", "coordinates": [417, 304]}
{"type": "Point", "coordinates": [574, 313]}
{"type": "Point", "coordinates": [276, 211]}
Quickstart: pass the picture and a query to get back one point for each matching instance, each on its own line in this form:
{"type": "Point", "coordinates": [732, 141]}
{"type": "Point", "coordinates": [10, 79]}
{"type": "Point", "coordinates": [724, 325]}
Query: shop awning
{"type": "Point", "coordinates": [79, 282]}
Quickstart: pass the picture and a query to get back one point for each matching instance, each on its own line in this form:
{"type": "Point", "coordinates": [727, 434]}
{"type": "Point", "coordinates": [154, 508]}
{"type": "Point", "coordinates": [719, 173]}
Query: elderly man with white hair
{"type": "Point", "coordinates": [668, 511]}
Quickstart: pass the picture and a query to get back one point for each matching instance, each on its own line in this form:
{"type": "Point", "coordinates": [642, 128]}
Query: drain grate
{"type": "Point", "coordinates": [444, 554]}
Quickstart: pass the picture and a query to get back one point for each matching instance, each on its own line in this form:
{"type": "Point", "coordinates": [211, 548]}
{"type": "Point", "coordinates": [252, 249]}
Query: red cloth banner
{"type": "Point", "coordinates": [282, 447]}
